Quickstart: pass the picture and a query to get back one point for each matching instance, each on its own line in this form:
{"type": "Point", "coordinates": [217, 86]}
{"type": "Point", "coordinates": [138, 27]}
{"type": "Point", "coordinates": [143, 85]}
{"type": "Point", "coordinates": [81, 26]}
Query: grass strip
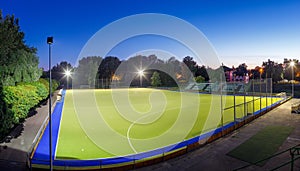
{"type": "Point", "coordinates": [262, 145]}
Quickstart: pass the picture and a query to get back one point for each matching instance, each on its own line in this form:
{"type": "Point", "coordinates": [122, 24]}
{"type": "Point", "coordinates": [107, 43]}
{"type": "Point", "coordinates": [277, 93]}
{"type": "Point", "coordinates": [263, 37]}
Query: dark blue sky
{"type": "Point", "coordinates": [241, 31]}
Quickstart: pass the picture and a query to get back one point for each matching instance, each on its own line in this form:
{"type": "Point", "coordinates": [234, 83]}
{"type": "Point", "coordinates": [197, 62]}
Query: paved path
{"type": "Point", "coordinates": [13, 153]}
{"type": "Point", "coordinates": [213, 156]}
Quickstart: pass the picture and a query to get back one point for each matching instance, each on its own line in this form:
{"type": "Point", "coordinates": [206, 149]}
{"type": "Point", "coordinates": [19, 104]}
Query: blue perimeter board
{"type": "Point", "coordinates": [41, 154]}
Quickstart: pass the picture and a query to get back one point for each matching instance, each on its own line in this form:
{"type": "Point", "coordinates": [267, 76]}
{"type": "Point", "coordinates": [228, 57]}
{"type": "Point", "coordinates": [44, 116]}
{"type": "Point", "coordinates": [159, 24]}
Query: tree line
{"type": "Point", "coordinates": [21, 88]}
{"type": "Point", "coordinates": [97, 72]}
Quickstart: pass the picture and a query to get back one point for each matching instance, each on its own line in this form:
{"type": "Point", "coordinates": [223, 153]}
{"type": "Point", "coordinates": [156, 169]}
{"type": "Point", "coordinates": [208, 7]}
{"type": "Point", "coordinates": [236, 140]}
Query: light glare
{"type": "Point", "coordinates": [141, 72]}
{"type": "Point", "coordinates": [67, 73]}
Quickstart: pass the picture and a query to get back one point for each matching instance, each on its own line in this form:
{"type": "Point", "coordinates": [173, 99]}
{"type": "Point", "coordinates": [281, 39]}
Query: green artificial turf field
{"type": "Point", "coordinates": [118, 122]}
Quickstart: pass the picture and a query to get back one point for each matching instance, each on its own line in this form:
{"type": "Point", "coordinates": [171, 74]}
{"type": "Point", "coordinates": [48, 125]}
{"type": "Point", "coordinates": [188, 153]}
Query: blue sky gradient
{"type": "Point", "coordinates": [249, 31]}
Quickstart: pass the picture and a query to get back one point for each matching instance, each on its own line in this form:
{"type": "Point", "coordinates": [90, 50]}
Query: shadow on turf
{"type": "Point", "coordinates": [66, 158]}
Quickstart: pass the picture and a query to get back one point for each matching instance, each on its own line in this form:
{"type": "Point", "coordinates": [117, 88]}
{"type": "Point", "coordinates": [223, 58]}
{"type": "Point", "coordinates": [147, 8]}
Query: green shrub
{"type": "Point", "coordinates": [6, 119]}
{"type": "Point", "coordinates": [55, 85]}
{"type": "Point", "coordinates": [45, 82]}
{"type": "Point", "coordinates": [41, 90]}
{"type": "Point", "coordinates": [19, 100]}
{"type": "Point", "coordinates": [16, 101]}
{"type": "Point", "coordinates": [199, 79]}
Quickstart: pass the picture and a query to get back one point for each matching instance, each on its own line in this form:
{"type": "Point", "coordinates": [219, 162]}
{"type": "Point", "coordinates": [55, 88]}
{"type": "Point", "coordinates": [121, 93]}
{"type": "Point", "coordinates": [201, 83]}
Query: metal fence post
{"type": "Point", "coordinates": [245, 105]}
{"type": "Point", "coordinates": [267, 94]}
{"type": "Point", "coordinates": [253, 98]}
{"type": "Point", "coordinates": [221, 95]}
{"type": "Point", "coordinates": [234, 107]}
{"type": "Point", "coordinates": [292, 161]}
{"type": "Point", "coordinates": [30, 164]}
{"type": "Point", "coordinates": [260, 95]}
{"type": "Point", "coordinates": [271, 92]}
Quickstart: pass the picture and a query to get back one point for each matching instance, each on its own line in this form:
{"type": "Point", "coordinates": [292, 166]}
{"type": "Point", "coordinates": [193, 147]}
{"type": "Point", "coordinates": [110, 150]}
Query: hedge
{"type": "Point", "coordinates": [17, 101]}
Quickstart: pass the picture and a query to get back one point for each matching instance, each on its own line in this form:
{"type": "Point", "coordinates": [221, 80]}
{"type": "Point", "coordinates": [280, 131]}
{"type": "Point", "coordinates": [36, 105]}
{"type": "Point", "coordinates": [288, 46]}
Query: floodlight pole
{"type": "Point", "coordinates": [260, 90]}
{"type": "Point", "coordinates": [266, 90]}
{"type": "Point", "coordinates": [141, 81]}
{"type": "Point", "coordinates": [221, 103]}
{"type": "Point", "coordinates": [67, 79]}
{"type": "Point", "coordinates": [49, 42]}
{"type": "Point", "coordinates": [141, 74]}
{"type": "Point", "coordinates": [293, 80]}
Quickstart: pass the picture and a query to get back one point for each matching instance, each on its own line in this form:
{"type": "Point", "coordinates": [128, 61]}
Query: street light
{"type": "Point", "coordinates": [67, 74]}
{"type": "Point", "coordinates": [49, 42]}
{"type": "Point", "coordinates": [292, 65]}
{"type": "Point", "coordinates": [141, 74]}
{"type": "Point", "coordinates": [260, 72]}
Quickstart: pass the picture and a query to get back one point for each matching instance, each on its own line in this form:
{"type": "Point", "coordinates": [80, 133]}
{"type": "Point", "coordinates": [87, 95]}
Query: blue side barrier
{"type": "Point", "coordinates": [42, 151]}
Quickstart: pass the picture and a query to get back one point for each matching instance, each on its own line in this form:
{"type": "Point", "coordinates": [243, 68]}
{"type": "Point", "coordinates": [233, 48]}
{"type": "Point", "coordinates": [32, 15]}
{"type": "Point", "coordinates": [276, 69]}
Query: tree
{"type": "Point", "coordinates": [190, 63]}
{"type": "Point", "coordinates": [254, 73]}
{"type": "Point", "coordinates": [241, 70]}
{"type": "Point", "coordinates": [155, 79]}
{"type": "Point", "coordinates": [58, 72]}
{"type": "Point", "coordinates": [18, 61]}
{"type": "Point", "coordinates": [278, 73]}
{"type": "Point", "coordinates": [199, 79]}
{"type": "Point", "coordinates": [272, 70]}
{"type": "Point", "coordinates": [86, 71]}
{"type": "Point", "coordinates": [201, 71]}
{"type": "Point", "coordinates": [108, 67]}
{"type": "Point", "coordinates": [288, 68]}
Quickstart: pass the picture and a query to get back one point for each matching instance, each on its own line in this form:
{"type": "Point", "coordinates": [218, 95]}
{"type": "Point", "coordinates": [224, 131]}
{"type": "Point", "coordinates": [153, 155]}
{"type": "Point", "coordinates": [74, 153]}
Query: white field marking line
{"type": "Point", "coordinates": [127, 135]}
{"type": "Point", "coordinates": [129, 128]}
{"type": "Point", "coordinates": [131, 125]}
{"type": "Point", "coordinates": [59, 126]}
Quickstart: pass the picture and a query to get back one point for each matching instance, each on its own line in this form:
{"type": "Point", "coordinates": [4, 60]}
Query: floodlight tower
{"type": "Point", "coordinates": [49, 42]}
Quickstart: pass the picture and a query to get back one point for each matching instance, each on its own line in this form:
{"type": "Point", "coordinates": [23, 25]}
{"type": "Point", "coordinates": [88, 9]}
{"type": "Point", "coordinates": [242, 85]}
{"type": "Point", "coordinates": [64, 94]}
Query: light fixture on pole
{"type": "Point", "coordinates": [141, 74]}
{"type": "Point", "coordinates": [292, 64]}
{"type": "Point", "coordinates": [67, 74]}
{"type": "Point", "coordinates": [260, 73]}
{"type": "Point", "coordinates": [49, 42]}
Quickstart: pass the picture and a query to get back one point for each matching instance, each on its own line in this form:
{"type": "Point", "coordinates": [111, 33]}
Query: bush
{"type": "Point", "coordinates": [5, 118]}
{"type": "Point", "coordinates": [199, 79]}
{"type": "Point", "coordinates": [19, 100]}
{"type": "Point", "coordinates": [45, 81]}
{"type": "Point", "coordinates": [41, 90]}
{"type": "Point", "coordinates": [55, 85]}
{"type": "Point", "coordinates": [16, 102]}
